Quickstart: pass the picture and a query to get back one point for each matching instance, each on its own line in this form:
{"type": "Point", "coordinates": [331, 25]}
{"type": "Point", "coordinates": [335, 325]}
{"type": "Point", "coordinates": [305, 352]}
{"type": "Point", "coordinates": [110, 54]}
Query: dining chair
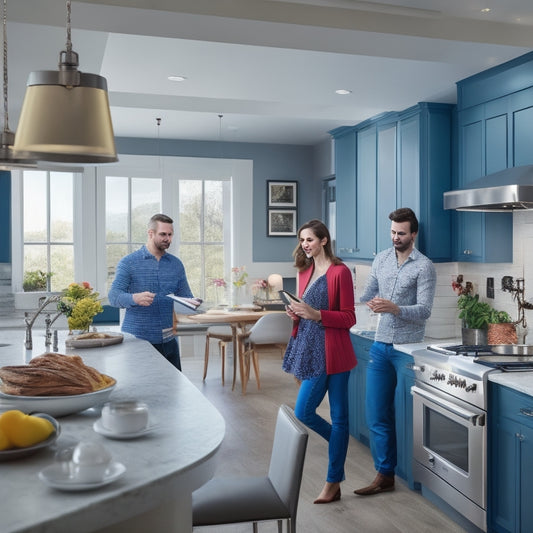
{"type": "Point", "coordinates": [272, 330]}
{"type": "Point", "coordinates": [224, 335]}
{"type": "Point", "coordinates": [232, 500]}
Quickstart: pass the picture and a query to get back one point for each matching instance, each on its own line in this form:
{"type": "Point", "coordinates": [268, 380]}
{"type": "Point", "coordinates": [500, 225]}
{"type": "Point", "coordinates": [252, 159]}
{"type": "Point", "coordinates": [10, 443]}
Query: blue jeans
{"type": "Point", "coordinates": [310, 396]}
{"type": "Point", "coordinates": [381, 378]}
{"type": "Point", "coordinates": [170, 351]}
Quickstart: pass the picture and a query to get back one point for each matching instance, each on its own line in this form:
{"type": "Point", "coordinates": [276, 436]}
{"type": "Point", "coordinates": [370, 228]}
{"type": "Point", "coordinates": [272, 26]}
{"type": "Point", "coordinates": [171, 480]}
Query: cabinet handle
{"type": "Point", "coordinates": [467, 252]}
{"type": "Point", "coordinates": [526, 412]}
{"type": "Point", "coordinates": [519, 436]}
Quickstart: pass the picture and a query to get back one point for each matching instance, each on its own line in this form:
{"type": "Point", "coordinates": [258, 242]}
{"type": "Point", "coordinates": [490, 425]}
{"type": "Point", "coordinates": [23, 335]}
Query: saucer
{"type": "Point", "coordinates": [56, 477]}
{"type": "Point", "coordinates": [99, 428]}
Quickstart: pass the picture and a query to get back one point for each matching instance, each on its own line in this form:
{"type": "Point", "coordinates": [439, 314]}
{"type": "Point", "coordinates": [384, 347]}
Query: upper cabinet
{"type": "Point", "coordinates": [401, 160]}
{"type": "Point", "coordinates": [495, 131]}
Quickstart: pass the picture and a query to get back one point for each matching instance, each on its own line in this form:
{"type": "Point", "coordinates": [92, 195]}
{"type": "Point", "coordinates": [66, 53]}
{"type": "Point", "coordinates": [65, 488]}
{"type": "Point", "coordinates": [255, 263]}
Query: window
{"type": "Point", "coordinates": [201, 233]}
{"type": "Point", "coordinates": [79, 225]}
{"type": "Point", "coordinates": [129, 204]}
{"type": "Point", "coordinates": [48, 225]}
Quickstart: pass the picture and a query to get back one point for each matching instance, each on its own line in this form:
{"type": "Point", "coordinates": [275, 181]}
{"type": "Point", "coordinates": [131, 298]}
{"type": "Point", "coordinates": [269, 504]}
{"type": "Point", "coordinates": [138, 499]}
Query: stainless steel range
{"type": "Point", "coordinates": [450, 427]}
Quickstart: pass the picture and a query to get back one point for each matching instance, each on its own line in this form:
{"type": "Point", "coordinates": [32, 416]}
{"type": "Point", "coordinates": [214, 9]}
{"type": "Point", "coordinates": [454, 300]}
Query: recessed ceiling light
{"type": "Point", "coordinates": [177, 78]}
{"type": "Point", "coordinates": [343, 91]}
{"type": "Point", "coordinates": [486, 10]}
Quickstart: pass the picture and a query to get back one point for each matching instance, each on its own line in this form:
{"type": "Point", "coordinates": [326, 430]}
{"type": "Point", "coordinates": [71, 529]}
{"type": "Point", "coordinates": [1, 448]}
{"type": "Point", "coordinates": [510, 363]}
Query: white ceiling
{"type": "Point", "coordinates": [270, 67]}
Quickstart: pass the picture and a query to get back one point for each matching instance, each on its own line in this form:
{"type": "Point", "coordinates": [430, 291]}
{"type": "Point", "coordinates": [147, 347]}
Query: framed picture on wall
{"type": "Point", "coordinates": [282, 193]}
{"type": "Point", "coordinates": [282, 222]}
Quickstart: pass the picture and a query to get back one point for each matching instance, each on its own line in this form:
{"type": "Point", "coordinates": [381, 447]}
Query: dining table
{"type": "Point", "coordinates": [238, 319]}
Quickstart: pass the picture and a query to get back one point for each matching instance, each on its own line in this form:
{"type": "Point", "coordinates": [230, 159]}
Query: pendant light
{"type": "Point", "coordinates": [8, 158]}
{"type": "Point", "coordinates": [65, 115]}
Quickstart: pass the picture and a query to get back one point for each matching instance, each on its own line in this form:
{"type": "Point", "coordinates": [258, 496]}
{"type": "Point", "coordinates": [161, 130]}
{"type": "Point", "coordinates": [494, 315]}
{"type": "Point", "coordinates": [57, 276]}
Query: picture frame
{"type": "Point", "coordinates": [282, 222]}
{"type": "Point", "coordinates": [282, 193]}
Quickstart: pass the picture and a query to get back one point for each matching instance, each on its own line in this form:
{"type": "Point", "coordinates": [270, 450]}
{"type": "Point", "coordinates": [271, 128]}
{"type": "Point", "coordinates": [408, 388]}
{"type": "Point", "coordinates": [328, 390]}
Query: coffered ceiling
{"type": "Point", "coordinates": [269, 67]}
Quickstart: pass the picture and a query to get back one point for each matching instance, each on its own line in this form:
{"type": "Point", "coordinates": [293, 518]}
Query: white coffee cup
{"type": "Point", "coordinates": [90, 461]}
{"type": "Point", "coordinates": [126, 416]}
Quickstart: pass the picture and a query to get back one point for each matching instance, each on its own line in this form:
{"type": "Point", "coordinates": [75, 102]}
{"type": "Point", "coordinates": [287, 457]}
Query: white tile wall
{"type": "Point", "coordinates": [444, 322]}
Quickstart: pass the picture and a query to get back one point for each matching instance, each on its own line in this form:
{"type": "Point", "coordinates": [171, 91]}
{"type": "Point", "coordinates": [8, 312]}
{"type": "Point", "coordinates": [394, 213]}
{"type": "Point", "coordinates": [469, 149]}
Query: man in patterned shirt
{"type": "Point", "coordinates": [142, 282]}
{"type": "Point", "coordinates": [401, 287]}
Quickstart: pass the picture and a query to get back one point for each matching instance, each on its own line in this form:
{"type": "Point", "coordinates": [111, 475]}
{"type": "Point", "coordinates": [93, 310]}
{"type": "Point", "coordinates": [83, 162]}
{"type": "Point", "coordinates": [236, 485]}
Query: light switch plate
{"type": "Point", "coordinates": [490, 288]}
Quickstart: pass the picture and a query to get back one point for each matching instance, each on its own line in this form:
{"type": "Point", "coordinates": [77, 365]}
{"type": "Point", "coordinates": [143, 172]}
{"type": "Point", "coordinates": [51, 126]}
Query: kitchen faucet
{"type": "Point", "coordinates": [517, 289]}
{"type": "Point", "coordinates": [43, 302]}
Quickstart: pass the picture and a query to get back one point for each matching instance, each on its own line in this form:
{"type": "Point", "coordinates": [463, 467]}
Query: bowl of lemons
{"type": "Point", "coordinates": [22, 434]}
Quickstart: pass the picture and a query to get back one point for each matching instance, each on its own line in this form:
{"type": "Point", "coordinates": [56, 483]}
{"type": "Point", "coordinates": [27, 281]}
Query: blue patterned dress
{"type": "Point", "coordinates": [305, 356]}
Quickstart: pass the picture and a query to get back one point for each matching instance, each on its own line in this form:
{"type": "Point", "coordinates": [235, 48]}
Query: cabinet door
{"type": "Point", "coordinates": [386, 183]}
{"type": "Point", "coordinates": [503, 479]}
{"type": "Point", "coordinates": [345, 152]}
{"type": "Point", "coordinates": [521, 111]}
{"type": "Point", "coordinates": [366, 193]}
{"type": "Point", "coordinates": [403, 404]}
{"type": "Point", "coordinates": [526, 481]}
{"type": "Point", "coordinates": [357, 391]}
{"type": "Point", "coordinates": [483, 142]}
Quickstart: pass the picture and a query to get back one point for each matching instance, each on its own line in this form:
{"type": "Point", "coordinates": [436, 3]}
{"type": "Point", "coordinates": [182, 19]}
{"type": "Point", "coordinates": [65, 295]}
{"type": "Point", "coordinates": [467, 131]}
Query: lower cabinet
{"type": "Point", "coordinates": [357, 390]}
{"type": "Point", "coordinates": [403, 405]}
{"type": "Point", "coordinates": [510, 480]}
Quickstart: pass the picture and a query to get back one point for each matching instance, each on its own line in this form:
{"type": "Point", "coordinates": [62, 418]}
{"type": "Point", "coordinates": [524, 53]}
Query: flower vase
{"type": "Point", "coordinates": [238, 295]}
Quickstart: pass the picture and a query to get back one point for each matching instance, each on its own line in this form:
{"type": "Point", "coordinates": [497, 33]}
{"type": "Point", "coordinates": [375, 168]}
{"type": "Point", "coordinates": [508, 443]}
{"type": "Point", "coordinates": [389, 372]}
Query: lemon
{"type": "Point", "coordinates": [4, 441]}
{"type": "Point", "coordinates": [23, 430]}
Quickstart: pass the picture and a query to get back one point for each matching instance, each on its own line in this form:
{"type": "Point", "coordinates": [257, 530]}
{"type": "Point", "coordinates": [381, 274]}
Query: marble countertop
{"type": "Point", "coordinates": [163, 467]}
{"type": "Point", "coordinates": [519, 381]}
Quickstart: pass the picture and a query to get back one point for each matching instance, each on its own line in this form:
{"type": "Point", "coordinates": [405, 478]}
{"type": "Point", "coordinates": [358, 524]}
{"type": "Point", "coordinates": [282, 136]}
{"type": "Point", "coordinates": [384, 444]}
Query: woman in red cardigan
{"type": "Point", "coordinates": [320, 352]}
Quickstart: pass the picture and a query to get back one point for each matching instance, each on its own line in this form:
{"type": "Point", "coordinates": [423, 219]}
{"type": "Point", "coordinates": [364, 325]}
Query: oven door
{"type": "Point", "coordinates": [450, 441]}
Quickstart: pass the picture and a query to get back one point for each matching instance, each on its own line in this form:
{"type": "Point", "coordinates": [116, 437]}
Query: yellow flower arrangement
{"type": "Point", "coordinates": [80, 303]}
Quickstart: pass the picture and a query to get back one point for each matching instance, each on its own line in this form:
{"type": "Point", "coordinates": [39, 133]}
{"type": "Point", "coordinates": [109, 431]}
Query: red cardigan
{"type": "Point", "coordinates": [338, 319]}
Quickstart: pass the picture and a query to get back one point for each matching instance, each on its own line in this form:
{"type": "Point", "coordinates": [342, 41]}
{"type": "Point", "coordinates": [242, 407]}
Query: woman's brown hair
{"type": "Point", "coordinates": [320, 230]}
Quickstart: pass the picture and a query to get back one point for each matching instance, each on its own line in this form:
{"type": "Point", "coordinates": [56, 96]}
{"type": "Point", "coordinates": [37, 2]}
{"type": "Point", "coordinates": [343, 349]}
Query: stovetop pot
{"type": "Point", "coordinates": [512, 349]}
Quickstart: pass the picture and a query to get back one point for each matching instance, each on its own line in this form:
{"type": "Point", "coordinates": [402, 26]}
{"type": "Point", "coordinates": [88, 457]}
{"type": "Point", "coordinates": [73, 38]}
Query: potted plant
{"type": "Point", "coordinates": [36, 280]}
{"type": "Point", "coordinates": [482, 324]}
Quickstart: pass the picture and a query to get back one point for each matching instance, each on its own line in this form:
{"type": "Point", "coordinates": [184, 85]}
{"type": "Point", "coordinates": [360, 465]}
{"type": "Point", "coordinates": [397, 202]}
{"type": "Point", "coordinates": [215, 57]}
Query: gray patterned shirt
{"type": "Point", "coordinates": [410, 286]}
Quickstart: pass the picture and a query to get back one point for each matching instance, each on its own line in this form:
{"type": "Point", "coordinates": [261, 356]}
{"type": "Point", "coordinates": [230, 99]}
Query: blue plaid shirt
{"type": "Point", "coordinates": [138, 272]}
{"type": "Point", "coordinates": [410, 286]}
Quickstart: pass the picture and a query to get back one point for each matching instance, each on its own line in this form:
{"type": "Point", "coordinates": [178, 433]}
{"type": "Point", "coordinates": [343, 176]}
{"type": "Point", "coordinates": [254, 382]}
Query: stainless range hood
{"type": "Point", "coordinates": [506, 190]}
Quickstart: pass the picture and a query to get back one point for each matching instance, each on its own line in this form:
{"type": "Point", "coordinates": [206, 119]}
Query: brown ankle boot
{"type": "Point", "coordinates": [380, 484]}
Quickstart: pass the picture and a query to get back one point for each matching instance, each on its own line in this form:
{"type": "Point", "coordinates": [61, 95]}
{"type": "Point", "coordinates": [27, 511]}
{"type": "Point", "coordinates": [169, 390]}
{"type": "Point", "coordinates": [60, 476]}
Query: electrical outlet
{"type": "Point", "coordinates": [490, 288]}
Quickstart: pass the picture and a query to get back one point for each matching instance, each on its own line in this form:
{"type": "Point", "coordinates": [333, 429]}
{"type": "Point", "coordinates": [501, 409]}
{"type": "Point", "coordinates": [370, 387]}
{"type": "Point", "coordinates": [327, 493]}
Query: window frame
{"type": "Point", "coordinates": [89, 210]}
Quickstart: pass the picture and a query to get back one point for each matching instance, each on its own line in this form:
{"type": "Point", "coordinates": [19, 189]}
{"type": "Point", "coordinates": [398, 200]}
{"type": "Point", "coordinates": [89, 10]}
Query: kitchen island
{"type": "Point", "coordinates": [163, 467]}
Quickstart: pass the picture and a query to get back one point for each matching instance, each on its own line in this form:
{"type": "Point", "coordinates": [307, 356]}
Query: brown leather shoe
{"type": "Point", "coordinates": [380, 484]}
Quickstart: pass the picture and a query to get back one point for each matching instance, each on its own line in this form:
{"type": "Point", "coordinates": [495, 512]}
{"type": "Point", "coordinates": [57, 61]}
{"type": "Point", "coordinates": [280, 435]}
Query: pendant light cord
{"type": "Point", "coordinates": [4, 24]}
{"type": "Point", "coordinates": [69, 30]}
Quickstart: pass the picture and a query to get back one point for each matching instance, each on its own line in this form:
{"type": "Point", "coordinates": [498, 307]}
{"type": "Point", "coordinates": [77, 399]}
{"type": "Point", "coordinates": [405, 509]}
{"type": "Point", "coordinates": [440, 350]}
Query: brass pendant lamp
{"type": "Point", "coordinates": [65, 115]}
{"type": "Point", "coordinates": [9, 159]}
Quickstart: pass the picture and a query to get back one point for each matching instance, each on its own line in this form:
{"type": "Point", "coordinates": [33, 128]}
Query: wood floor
{"type": "Point", "coordinates": [246, 450]}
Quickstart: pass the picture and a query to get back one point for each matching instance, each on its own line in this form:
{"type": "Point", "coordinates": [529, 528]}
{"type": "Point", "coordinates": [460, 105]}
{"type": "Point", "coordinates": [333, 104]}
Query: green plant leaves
{"type": "Point", "coordinates": [478, 315]}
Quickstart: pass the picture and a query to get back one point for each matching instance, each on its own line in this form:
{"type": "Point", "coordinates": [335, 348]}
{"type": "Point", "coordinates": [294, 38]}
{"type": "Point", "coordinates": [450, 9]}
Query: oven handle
{"type": "Point", "coordinates": [474, 419]}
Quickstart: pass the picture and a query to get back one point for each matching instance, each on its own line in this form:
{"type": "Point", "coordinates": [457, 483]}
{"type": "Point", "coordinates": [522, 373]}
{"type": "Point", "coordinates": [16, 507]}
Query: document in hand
{"type": "Point", "coordinates": [185, 306]}
{"type": "Point", "coordinates": [288, 298]}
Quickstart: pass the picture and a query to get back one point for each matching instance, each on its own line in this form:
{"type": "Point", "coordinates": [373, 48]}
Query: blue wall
{"type": "Point", "coordinates": [5, 216]}
{"type": "Point", "coordinates": [270, 162]}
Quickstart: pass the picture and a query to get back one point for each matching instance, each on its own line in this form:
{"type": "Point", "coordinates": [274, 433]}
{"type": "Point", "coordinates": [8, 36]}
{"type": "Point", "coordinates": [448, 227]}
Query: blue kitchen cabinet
{"type": "Point", "coordinates": [357, 390]}
{"type": "Point", "coordinates": [345, 160]}
{"type": "Point", "coordinates": [386, 182]}
{"type": "Point", "coordinates": [483, 149]}
{"type": "Point", "coordinates": [510, 452]}
{"type": "Point", "coordinates": [495, 131]}
{"type": "Point", "coordinates": [402, 160]}
{"type": "Point", "coordinates": [425, 173]}
{"type": "Point", "coordinates": [367, 199]}
{"type": "Point", "coordinates": [403, 405]}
